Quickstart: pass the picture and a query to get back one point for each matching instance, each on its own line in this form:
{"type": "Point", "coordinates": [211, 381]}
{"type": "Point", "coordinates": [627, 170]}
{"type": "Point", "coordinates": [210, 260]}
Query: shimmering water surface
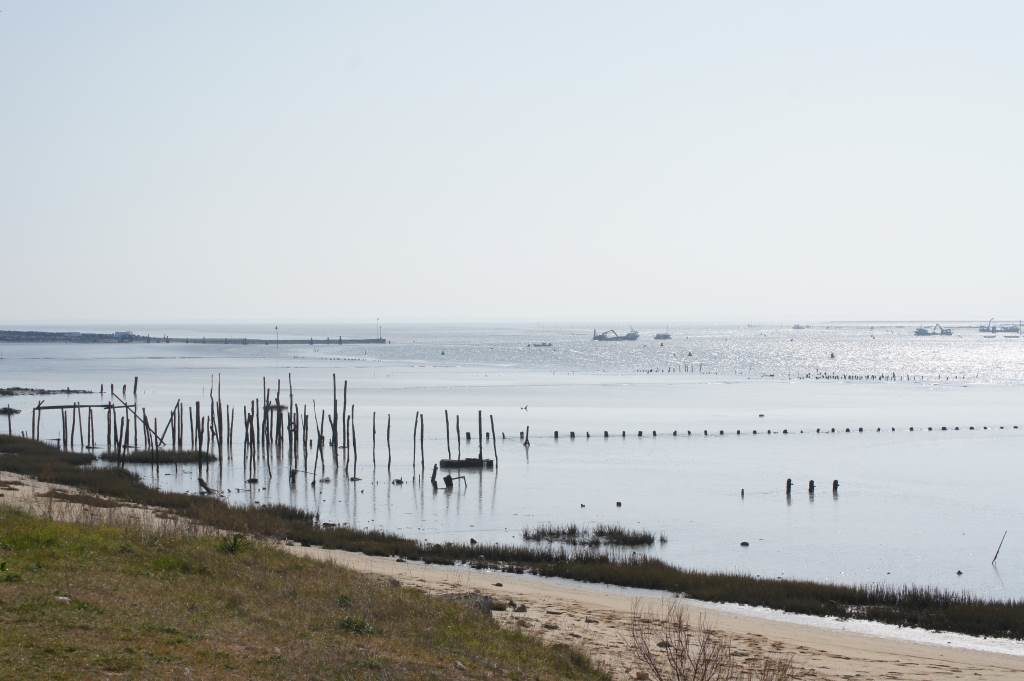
{"type": "Point", "coordinates": [913, 507]}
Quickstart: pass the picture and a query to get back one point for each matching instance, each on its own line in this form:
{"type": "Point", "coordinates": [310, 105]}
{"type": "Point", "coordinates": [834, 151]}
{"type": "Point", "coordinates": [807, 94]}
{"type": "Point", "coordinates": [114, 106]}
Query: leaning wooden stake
{"type": "Point", "coordinates": [1000, 547]}
{"type": "Point", "coordinates": [480, 432]}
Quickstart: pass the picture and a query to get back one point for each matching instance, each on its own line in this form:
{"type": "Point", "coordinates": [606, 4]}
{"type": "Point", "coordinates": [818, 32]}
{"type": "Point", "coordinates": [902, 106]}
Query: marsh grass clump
{"type": "Point", "coordinates": [159, 456]}
{"type": "Point", "coordinates": [912, 606]}
{"type": "Point", "coordinates": [600, 534]}
{"type": "Point", "coordinates": [620, 536]}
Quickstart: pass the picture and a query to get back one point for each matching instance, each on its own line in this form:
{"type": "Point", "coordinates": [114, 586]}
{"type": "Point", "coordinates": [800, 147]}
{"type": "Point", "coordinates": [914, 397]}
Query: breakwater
{"type": "Point", "coordinates": [129, 337]}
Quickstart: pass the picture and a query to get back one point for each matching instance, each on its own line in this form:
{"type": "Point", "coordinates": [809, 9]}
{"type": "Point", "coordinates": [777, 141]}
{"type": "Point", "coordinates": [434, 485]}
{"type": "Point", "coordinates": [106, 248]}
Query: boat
{"type": "Point", "coordinates": [466, 463]}
{"type": "Point", "coordinates": [613, 335]}
{"type": "Point", "coordinates": [937, 330]}
{"type": "Point", "coordinates": [540, 345]}
{"type": "Point", "coordinates": [800, 327]}
{"type": "Point", "coordinates": [664, 335]}
{"type": "Point", "coordinates": [992, 327]}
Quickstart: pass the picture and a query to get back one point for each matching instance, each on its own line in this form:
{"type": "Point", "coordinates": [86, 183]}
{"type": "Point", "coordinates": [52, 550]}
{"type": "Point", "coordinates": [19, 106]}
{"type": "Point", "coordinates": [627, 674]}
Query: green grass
{"type": "Point", "coordinates": [81, 601]}
{"type": "Point", "coordinates": [911, 606]}
{"type": "Point", "coordinates": [159, 456]}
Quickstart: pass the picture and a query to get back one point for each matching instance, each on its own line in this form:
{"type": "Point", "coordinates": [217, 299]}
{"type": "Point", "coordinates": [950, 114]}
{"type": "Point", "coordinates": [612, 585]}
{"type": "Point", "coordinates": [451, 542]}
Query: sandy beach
{"type": "Point", "coordinates": [596, 619]}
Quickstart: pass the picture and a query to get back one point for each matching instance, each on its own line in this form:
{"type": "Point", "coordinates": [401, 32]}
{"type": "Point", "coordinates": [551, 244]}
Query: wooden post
{"type": "Point", "coordinates": [373, 445]}
{"type": "Point", "coordinates": [458, 436]}
{"type": "Point", "coordinates": [415, 426]}
{"type": "Point", "coordinates": [480, 432]}
{"type": "Point", "coordinates": [389, 443]}
{"type": "Point", "coordinates": [494, 441]}
{"type": "Point", "coordinates": [334, 423]}
{"type": "Point", "coordinates": [344, 403]}
{"type": "Point", "coordinates": [422, 428]}
{"type": "Point", "coordinates": [355, 452]}
{"type": "Point", "coordinates": [447, 435]}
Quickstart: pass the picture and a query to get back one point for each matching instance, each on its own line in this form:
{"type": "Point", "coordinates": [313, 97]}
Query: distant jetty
{"type": "Point", "coordinates": [129, 337]}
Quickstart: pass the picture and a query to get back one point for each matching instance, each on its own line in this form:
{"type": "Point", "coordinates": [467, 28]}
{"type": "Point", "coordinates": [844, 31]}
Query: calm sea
{"type": "Point", "coordinates": [912, 508]}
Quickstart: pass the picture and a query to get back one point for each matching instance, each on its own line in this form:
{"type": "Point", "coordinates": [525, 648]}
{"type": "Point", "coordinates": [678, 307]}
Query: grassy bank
{"type": "Point", "coordinates": [918, 607]}
{"type": "Point", "coordinates": [80, 601]}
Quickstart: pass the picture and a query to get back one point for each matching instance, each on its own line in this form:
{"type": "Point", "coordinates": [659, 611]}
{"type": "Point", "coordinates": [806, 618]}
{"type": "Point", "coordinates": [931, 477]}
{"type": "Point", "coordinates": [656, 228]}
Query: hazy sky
{"type": "Point", "coordinates": [526, 160]}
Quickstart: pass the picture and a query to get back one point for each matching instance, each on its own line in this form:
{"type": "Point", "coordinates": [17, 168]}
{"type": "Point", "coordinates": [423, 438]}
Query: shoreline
{"type": "Point", "coordinates": [596, 617]}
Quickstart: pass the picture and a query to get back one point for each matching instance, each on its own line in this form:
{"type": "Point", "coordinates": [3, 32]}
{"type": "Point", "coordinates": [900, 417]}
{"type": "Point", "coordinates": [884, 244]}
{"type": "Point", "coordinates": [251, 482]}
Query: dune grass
{"type": "Point", "coordinates": [908, 606]}
{"type": "Point", "coordinates": [159, 456]}
{"type": "Point", "coordinates": [86, 601]}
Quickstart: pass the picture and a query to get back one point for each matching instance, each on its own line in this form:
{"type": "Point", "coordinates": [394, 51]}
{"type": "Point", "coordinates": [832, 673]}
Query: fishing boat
{"type": "Point", "coordinates": [992, 327]}
{"type": "Point", "coordinates": [937, 330]}
{"type": "Point", "coordinates": [664, 335]}
{"type": "Point", "coordinates": [613, 335]}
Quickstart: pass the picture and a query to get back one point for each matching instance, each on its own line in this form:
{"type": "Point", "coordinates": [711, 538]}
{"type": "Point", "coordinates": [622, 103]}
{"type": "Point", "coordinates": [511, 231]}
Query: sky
{"type": "Point", "coordinates": [462, 161]}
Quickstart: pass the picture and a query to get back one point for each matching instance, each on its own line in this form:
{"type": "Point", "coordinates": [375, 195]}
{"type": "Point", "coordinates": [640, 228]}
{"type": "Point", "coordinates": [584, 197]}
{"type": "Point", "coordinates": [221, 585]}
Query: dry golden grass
{"type": "Point", "coordinates": [90, 602]}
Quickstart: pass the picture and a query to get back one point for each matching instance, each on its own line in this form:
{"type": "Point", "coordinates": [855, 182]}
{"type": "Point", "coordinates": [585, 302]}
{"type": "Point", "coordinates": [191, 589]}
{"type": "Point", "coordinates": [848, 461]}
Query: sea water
{"type": "Point", "coordinates": [912, 507]}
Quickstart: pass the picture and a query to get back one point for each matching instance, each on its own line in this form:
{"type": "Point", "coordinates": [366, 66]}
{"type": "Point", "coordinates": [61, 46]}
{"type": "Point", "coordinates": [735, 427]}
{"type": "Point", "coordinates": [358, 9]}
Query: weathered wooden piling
{"type": "Point", "coordinates": [494, 441]}
{"type": "Point", "coordinates": [447, 434]}
{"type": "Point", "coordinates": [480, 433]}
{"type": "Point", "coordinates": [415, 429]}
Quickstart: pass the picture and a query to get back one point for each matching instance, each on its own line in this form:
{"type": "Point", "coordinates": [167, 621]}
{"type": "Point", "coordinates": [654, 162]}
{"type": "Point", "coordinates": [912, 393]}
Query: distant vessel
{"type": "Point", "coordinates": [664, 335]}
{"type": "Point", "coordinates": [799, 327]}
{"type": "Point", "coordinates": [992, 327]}
{"type": "Point", "coordinates": [540, 345]}
{"type": "Point", "coordinates": [937, 330]}
{"type": "Point", "coordinates": [612, 335]}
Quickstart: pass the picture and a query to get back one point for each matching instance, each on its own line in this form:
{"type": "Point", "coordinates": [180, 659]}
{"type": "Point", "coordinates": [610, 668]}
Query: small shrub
{"type": "Point", "coordinates": [236, 543]}
{"type": "Point", "coordinates": [355, 625]}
